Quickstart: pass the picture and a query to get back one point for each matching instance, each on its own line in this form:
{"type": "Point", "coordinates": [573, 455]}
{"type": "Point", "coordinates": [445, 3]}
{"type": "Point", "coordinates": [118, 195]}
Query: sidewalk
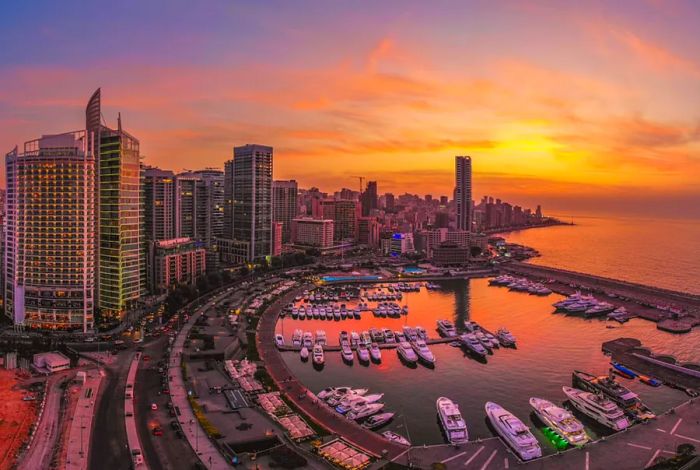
{"type": "Point", "coordinates": [81, 424]}
{"type": "Point", "coordinates": [207, 452]}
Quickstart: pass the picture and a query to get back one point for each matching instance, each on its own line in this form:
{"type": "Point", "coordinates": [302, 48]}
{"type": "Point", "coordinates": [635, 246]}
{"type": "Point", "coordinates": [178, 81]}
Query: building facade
{"type": "Point", "coordinates": [313, 232]}
{"type": "Point", "coordinates": [344, 216]}
{"type": "Point", "coordinates": [159, 204]}
{"type": "Point", "coordinates": [284, 205]}
{"type": "Point", "coordinates": [177, 261]}
{"type": "Point", "coordinates": [463, 192]}
{"type": "Point", "coordinates": [50, 240]}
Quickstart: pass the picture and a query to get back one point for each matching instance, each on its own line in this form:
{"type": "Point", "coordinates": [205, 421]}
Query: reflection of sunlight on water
{"type": "Point", "coordinates": [550, 347]}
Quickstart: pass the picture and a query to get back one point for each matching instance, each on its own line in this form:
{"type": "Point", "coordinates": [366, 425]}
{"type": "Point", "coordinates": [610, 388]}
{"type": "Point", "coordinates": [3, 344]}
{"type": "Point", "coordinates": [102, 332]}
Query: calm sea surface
{"type": "Point", "coordinates": [550, 347]}
{"type": "Point", "coordinates": [658, 252]}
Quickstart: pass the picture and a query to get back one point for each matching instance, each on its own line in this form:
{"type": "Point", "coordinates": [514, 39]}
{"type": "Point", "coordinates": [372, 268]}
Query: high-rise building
{"type": "Point", "coordinates": [344, 216]}
{"type": "Point", "coordinates": [251, 225]}
{"type": "Point", "coordinates": [276, 238]}
{"type": "Point", "coordinates": [176, 261]}
{"type": "Point", "coordinates": [121, 260]}
{"type": "Point", "coordinates": [463, 192]}
{"type": "Point", "coordinates": [185, 206]}
{"type": "Point", "coordinates": [390, 202]}
{"type": "Point", "coordinates": [369, 199]}
{"type": "Point", "coordinates": [312, 232]}
{"type": "Point", "coordinates": [284, 205]}
{"type": "Point", "coordinates": [368, 231]}
{"type": "Point", "coordinates": [159, 204]}
{"type": "Point", "coordinates": [50, 233]}
{"type": "Point", "coordinates": [200, 201]}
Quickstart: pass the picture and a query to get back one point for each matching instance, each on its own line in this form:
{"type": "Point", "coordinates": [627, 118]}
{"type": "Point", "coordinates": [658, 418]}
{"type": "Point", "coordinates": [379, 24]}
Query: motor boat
{"type": "Point", "coordinates": [627, 399]}
{"type": "Point", "coordinates": [354, 339]}
{"type": "Point", "coordinates": [560, 421]}
{"type": "Point", "coordinates": [452, 422]}
{"type": "Point", "coordinates": [389, 337]}
{"type": "Point", "coordinates": [321, 337]}
{"type": "Point", "coordinates": [376, 335]}
{"type": "Point", "coordinates": [328, 391]}
{"type": "Point", "coordinates": [406, 352]}
{"type": "Point", "coordinates": [362, 353]}
{"type": "Point", "coordinates": [304, 353]}
{"type": "Point", "coordinates": [399, 336]}
{"type": "Point", "coordinates": [318, 356]}
{"type": "Point", "coordinates": [353, 402]}
{"type": "Point", "coordinates": [375, 353]}
{"type": "Point", "coordinates": [340, 393]}
{"type": "Point", "coordinates": [492, 339]}
{"type": "Point", "coordinates": [597, 407]}
{"type": "Point", "coordinates": [485, 342]}
{"type": "Point", "coordinates": [346, 352]}
{"type": "Point", "coordinates": [296, 338]}
{"type": "Point", "coordinates": [343, 337]}
{"type": "Point", "coordinates": [377, 421]}
{"type": "Point", "coordinates": [446, 328]}
{"type": "Point", "coordinates": [513, 432]}
{"type": "Point", "coordinates": [398, 438]}
{"type": "Point", "coordinates": [422, 334]}
{"type": "Point", "coordinates": [505, 337]}
{"type": "Point", "coordinates": [471, 326]}
{"type": "Point", "coordinates": [295, 313]}
{"type": "Point", "coordinates": [279, 340]}
{"type": "Point", "coordinates": [473, 344]}
{"type": "Point", "coordinates": [308, 340]}
{"type": "Point", "coordinates": [366, 339]}
{"type": "Point", "coordinates": [624, 371]}
{"type": "Point", "coordinates": [365, 410]}
{"type": "Point", "coordinates": [423, 351]}
{"type": "Point", "coordinates": [410, 333]}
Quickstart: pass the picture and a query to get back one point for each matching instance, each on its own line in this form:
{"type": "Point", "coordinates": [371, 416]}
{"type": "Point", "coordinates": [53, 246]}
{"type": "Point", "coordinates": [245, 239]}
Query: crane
{"type": "Point", "coordinates": [362, 179]}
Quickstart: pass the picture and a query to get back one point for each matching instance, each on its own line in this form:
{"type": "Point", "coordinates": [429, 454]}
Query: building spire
{"type": "Point", "coordinates": [119, 122]}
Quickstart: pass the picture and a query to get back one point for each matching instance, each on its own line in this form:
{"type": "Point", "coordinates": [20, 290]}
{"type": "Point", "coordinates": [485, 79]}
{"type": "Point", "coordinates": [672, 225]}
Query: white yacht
{"type": "Point", "coordinates": [375, 353]}
{"type": "Point", "coordinates": [368, 409]}
{"type": "Point", "coordinates": [423, 352]}
{"type": "Point", "coordinates": [483, 340]}
{"type": "Point", "coordinates": [597, 407]}
{"type": "Point", "coordinates": [376, 335]}
{"type": "Point", "coordinates": [505, 337]}
{"type": "Point", "coordinates": [513, 432]}
{"type": "Point", "coordinates": [377, 421]}
{"type": "Point", "coordinates": [346, 352]}
{"type": "Point", "coordinates": [353, 402]}
{"type": "Point", "coordinates": [410, 333]}
{"type": "Point", "coordinates": [354, 339]}
{"type": "Point", "coordinates": [422, 334]}
{"type": "Point", "coordinates": [560, 421]}
{"type": "Point", "coordinates": [279, 340]}
{"type": "Point", "coordinates": [328, 391]}
{"type": "Point", "coordinates": [406, 352]}
{"type": "Point", "coordinates": [304, 353]}
{"type": "Point", "coordinates": [296, 338]}
{"type": "Point", "coordinates": [446, 328]}
{"type": "Point", "coordinates": [452, 422]}
{"type": "Point", "coordinates": [362, 353]}
{"type": "Point", "coordinates": [473, 344]}
{"type": "Point", "coordinates": [321, 337]}
{"type": "Point", "coordinates": [388, 336]}
{"type": "Point", "coordinates": [318, 356]}
{"type": "Point", "coordinates": [308, 340]}
{"type": "Point", "coordinates": [341, 392]}
{"type": "Point", "coordinates": [366, 339]}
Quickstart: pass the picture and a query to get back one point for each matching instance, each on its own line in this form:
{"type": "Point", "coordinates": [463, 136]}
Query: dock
{"type": "Point", "coordinates": [630, 353]}
{"type": "Point", "coordinates": [336, 347]}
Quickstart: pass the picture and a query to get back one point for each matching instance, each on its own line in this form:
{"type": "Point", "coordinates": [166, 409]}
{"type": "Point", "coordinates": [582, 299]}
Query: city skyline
{"type": "Point", "coordinates": [605, 120]}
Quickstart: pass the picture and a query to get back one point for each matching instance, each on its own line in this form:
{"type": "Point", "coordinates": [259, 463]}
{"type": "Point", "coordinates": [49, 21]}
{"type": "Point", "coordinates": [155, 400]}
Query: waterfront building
{"type": "Point", "coordinates": [313, 232]}
{"type": "Point", "coordinates": [50, 241]}
{"type": "Point", "coordinates": [450, 254]}
{"type": "Point", "coordinates": [400, 244]}
{"type": "Point", "coordinates": [284, 205]}
{"type": "Point", "coordinates": [159, 204]}
{"type": "Point", "coordinates": [121, 260]}
{"type": "Point", "coordinates": [51, 362]}
{"type": "Point", "coordinates": [176, 261]}
{"type": "Point", "coordinates": [368, 231]}
{"type": "Point", "coordinates": [276, 238]}
{"type": "Point", "coordinates": [251, 211]}
{"type": "Point", "coordinates": [463, 192]}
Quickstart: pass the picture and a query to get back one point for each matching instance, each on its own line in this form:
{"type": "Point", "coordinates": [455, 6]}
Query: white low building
{"type": "Point", "coordinates": [51, 361]}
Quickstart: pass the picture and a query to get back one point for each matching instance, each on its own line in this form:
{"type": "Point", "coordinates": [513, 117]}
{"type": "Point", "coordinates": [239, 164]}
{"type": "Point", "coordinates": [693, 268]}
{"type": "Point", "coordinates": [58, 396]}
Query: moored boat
{"type": "Point", "coordinates": [453, 424]}
{"type": "Point", "coordinates": [560, 421]}
{"type": "Point", "coordinates": [378, 420]}
{"type": "Point", "coordinates": [446, 328]}
{"type": "Point", "coordinates": [597, 407]}
{"type": "Point", "coordinates": [398, 438]}
{"type": "Point", "coordinates": [318, 356]}
{"type": "Point", "coordinates": [513, 431]}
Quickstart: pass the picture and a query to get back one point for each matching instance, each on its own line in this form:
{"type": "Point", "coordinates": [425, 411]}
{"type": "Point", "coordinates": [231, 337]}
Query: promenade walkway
{"type": "Point", "coordinates": [304, 399]}
{"type": "Point", "coordinates": [81, 426]}
{"type": "Point", "coordinates": [206, 450]}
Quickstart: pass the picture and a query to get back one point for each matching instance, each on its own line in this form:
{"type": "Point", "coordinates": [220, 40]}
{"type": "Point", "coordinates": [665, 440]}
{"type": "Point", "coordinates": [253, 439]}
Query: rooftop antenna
{"type": "Point", "coordinates": [119, 122]}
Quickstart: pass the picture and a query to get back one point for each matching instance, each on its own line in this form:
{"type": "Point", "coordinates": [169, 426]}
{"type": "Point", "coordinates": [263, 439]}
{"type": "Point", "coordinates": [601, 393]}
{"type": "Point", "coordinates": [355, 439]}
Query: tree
{"type": "Point", "coordinates": [475, 251]}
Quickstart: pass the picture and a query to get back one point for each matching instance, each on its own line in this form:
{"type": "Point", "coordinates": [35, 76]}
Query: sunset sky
{"type": "Point", "coordinates": [582, 108]}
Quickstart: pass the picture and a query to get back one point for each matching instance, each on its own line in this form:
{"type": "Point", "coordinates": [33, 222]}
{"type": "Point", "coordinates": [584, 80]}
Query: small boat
{"type": "Point", "coordinates": [279, 340]}
{"type": "Point", "coordinates": [624, 371]}
{"type": "Point", "coordinates": [308, 340]}
{"type": "Point", "coordinates": [513, 432]}
{"type": "Point", "coordinates": [296, 338]}
{"type": "Point", "coordinates": [485, 342]}
{"type": "Point", "coordinates": [334, 398]}
{"type": "Point", "coordinates": [318, 356]}
{"type": "Point", "coordinates": [388, 336]}
{"type": "Point", "coordinates": [470, 341]}
{"type": "Point", "coordinates": [422, 334]}
{"type": "Point", "coordinates": [405, 352]}
{"type": "Point", "coordinates": [321, 337]}
{"type": "Point", "coordinates": [376, 335]}
{"type": "Point", "coordinates": [346, 352]}
{"type": "Point", "coordinates": [560, 421]}
{"type": "Point", "coordinates": [446, 328]}
{"type": "Point", "coordinates": [375, 353]}
{"type": "Point", "coordinates": [328, 391]}
{"type": "Point", "coordinates": [377, 421]}
{"type": "Point", "coordinates": [362, 353]}
{"type": "Point", "coordinates": [304, 353]}
{"type": "Point", "coordinates": [505, 337]}
{"type": "Point", "coordinates": [368, 409]}
{"type": "Point", "coordinates": [597, 407]}
{"type": "Point", "coordinates": [398, 438]}
{"type": "Point", "coordinates": [354, 339]}
{"type": "Point", "coordinates": [423, 352]}
{"type": "Point", "coordinates": [452, 422]}
{"type": "Point", "coordinates": [650, 380]}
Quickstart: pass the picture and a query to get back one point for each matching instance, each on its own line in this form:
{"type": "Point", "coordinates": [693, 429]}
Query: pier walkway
{"type": "Point", "coordinates": [336, 347]}
{"type": "Point", "coordinates": [304, 399]}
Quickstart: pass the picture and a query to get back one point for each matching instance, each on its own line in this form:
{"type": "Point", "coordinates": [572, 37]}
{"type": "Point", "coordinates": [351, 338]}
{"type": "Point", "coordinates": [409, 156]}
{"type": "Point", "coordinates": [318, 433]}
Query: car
{"type": "Point", "coordinates": [154, 406]}
{"type": "Point", "coordinates": [157, 431]}
{"type": "Point", "coordinates": [146, 357]}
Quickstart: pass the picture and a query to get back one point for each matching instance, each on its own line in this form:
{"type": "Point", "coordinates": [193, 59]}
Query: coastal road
{"type": "Point", "coordinates": [41, 452]}
{"type": "Point", "coordinates": [108, 447]}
